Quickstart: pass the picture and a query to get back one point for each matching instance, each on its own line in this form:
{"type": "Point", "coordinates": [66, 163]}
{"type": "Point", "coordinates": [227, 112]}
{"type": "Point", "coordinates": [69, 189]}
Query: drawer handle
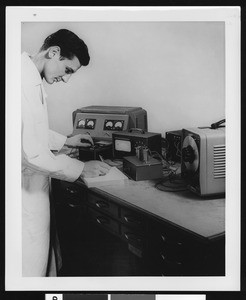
{"type": "Point", "coordinates": [179, 244]}
{"type": "Point", "coordinates": [163, 238]}
{"type": "Point", "coordinates": [130, 219]}
{"type": "Point", "coordinates": [102, 220]}
{"type": "Point", "coordinates": [73, 205]}
{"type": "Point", "coordinates": [102, 204]}
{"type": "Point", "coordinates": [71, 190]}
{"type": "Point", "coordinates": [132, 237]}
{"type": "Point", "coordinates": [163, 257]}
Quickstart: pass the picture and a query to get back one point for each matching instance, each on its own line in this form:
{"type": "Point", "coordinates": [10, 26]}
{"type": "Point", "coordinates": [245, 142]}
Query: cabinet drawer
{"type": "Point", "coordinates": [174, 253]}
{"type": "Point", "coordinates": [71, 189]}
{"type": "Point", "coordinates": [132, 236]}
{"type": "Point", "coordinates": [131, 218]}
{"type": "Point", "coordinates": [182, 248]}
{"type": "Point", "coordinates": [180, 253]}
{"type": "Point", "coordinates": [170, 266]}
{"type": "Point", "coordinates": [71, 194]}
{"type": "Point", "coordinates": [172, 245]}
{"type": "Point", "coordinates": [103, 205]}
{"type": "Point", "coordinates": [104, 221]}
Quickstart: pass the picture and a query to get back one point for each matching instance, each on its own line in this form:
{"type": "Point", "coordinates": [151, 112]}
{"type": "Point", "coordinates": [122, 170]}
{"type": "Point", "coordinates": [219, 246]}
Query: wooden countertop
{"type": "Point", "coordinates": [204, 217]}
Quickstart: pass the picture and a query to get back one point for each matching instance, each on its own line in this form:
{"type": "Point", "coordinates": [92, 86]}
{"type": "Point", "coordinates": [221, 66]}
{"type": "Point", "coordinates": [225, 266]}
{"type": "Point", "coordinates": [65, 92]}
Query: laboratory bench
{"type": "Point", "coordinates": [134, 229]}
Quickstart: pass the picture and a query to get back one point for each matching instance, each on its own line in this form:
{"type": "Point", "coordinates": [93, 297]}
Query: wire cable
{"type": "Point", "coordinates": [172, 183]}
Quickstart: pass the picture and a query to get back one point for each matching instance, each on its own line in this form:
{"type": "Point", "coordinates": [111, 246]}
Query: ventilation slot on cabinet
{"type": "Point", "coordinates": [219, 161]}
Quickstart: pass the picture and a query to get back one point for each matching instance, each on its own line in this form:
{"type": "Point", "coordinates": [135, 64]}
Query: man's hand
{"type": "Point", "coordinates": [79, 140]}
{"type": "Point", "coordinates": [94, 168]}
{"type": "Point", "coordinates": [73, 153]}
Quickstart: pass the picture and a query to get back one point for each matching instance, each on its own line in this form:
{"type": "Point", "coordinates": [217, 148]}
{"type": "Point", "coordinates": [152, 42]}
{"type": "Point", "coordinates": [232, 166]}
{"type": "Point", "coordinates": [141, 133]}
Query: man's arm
{"type": "Point", "coordinates": [57, 141]}
{"type": "Point", "coordinates": [38, 157]}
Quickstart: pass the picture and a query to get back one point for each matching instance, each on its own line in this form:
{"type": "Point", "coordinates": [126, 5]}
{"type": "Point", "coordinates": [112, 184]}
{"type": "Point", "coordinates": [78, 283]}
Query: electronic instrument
{"type": "Point", "coordinates": [126, 143]}
{"type": "Point", "coordinates": [173, 139]}
{"type": "Point", "coordinates": [100, 122]}
{"type": "Point", "coordinates": [203, 162]}
{"type": "Point", "coordinates": [138, 169]}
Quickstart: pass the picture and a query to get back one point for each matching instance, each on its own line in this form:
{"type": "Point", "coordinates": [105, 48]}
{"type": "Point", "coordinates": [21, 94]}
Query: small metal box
{"type": "Point", "coordinates": [125, 142]}
{"type": "Point", "coordinates": [139, 170]}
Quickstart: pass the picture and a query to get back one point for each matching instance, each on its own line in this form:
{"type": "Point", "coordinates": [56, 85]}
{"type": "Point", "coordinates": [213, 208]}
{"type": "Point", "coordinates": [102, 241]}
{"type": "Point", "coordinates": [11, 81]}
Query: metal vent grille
{"type": "Point", "coordinates": [219, 161]}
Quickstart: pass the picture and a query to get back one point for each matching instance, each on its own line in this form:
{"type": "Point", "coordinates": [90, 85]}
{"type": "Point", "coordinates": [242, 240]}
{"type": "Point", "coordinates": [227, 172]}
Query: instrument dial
{"type": "Point", "coordinates": [81, 124]}
{"type": "Point", "coordinates": [109, 125]}
{"type": "Point", "coordinates": [118, 125]}
{"type": "Point", "coordinates": [90, 124]}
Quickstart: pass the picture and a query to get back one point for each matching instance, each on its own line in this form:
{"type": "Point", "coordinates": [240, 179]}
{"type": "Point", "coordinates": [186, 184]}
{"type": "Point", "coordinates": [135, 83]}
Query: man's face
{"type": "Point", "coordinates": [57, 69]}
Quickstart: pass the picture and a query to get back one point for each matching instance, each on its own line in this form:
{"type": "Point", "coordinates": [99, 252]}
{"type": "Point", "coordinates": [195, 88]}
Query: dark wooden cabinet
{"type": "Point", "coordinates": [177, 252]}
{"type": "Point", "coordinates": [125, 223]}
{"type": "Point", "coordinates": [160, 247]}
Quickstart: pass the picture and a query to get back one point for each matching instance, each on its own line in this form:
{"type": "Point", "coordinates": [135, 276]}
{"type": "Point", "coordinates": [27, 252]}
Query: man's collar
{"type": "Point", "coordinates": [31, 69]}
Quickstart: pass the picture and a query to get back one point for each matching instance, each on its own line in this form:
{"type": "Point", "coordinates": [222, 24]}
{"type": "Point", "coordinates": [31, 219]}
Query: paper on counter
{"type": "Point", "coordinates": [114, 176]}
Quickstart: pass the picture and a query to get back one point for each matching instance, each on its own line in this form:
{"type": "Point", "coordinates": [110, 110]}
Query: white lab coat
{"type": "Point", "coordinates": [38, 165]}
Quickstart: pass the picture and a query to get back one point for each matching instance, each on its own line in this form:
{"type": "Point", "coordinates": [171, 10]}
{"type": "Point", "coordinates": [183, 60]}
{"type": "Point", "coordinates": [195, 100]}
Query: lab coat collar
{"type": "Point", "coordinates": [30, 68]}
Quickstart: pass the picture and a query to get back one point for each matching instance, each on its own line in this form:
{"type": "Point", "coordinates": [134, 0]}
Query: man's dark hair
{"type": "Point", "coordinates": [70, 44]}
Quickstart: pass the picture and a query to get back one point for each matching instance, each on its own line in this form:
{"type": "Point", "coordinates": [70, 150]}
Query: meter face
{"type": "Point", "coordinates": [115, 125]}
{"type": "Point", "coordinates": [119, 125]}
{"type": "Point", "coordinates": [86, 123]}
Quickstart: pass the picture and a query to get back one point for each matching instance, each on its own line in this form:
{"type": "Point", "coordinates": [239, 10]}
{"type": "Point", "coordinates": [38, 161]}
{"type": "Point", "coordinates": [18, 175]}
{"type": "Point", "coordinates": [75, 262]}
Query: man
{"type": "Point", "coordinates": [61, 55]}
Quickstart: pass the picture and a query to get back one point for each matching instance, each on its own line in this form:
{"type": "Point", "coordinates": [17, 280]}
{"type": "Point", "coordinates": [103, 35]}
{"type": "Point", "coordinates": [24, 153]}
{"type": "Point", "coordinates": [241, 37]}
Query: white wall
{"type": "Point", "coordinates": [174, 70]}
